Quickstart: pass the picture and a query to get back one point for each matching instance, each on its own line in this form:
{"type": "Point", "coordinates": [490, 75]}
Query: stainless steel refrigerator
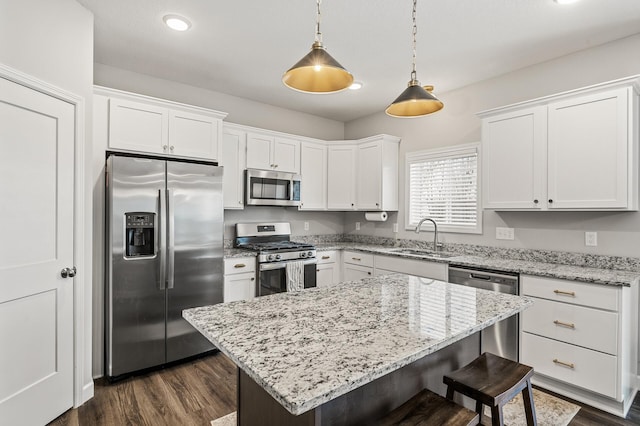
{"type": "Point", "coordinates": [164, 252]}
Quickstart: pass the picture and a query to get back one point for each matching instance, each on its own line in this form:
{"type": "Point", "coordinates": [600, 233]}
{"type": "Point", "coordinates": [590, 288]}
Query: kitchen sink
{"type": "Point", "coordinates": [423, 253]}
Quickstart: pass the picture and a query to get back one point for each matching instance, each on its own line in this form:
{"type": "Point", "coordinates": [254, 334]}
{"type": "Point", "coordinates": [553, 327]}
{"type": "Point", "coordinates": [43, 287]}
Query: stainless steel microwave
{"type": "Point", "coordinates": [270, 188]}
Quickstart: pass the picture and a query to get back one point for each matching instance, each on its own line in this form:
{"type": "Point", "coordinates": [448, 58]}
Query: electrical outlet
{"type": "Point", "coordinates": [306, 226]}
{"type": "Point", "coordinates": [591, 239]}
{"type": "Point", "coordinates": [395, 228]}
{"type": "Point", "coordinates": [357, 226]}
{"type": "Point", "coordinates": [504, 233]}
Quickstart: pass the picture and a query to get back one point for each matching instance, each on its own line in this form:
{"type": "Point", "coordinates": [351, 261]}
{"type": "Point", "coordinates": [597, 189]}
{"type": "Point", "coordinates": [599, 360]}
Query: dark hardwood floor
{"type": "Point", "coordinates": [196, 392]}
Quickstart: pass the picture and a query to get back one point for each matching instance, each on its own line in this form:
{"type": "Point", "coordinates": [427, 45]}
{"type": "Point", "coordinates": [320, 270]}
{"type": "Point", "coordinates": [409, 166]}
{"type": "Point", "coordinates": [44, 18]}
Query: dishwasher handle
{"type": "Point", "coordinates": [479, 277]}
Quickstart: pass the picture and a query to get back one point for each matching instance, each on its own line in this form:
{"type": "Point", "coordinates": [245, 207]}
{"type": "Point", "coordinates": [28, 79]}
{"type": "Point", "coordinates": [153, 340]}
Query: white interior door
{"type": "Point", "coordinates": [36, 229]}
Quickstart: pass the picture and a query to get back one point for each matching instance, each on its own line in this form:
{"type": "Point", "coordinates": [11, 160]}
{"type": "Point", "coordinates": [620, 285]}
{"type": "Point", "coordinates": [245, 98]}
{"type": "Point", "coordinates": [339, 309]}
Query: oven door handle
{"type": "Point", "coordinates": [280, 265]}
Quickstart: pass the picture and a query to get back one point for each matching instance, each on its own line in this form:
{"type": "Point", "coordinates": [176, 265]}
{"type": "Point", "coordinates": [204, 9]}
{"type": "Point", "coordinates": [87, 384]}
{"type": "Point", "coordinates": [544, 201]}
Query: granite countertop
{"type": "Point", "coordinates": [529, 267]}
{"type": "Point", "coordinates": [230, 253]}
{"type": "Point", "coordinates": [310, 347]}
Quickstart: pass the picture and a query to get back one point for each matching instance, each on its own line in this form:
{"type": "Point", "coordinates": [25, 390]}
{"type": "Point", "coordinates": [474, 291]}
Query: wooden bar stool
{"type": "Point", "coordinates": [430, 409]}
{"type": "Point", "coordinates": [492, 380]}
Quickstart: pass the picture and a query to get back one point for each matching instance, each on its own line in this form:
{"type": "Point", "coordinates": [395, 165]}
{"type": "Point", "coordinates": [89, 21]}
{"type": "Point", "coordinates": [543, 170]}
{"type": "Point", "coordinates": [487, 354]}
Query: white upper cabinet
{"type": "Point", "coordinates": [193, 135]}
{"type": "Point", "coordinates": [573, 151]}
{"type": "Point", "coordinates": [138, 127]}
{"type": "Point", "coordinates": [590, 143]}
{"type": "Point", "coordinates": [377, 174]}
{"type": "Point", "coordinates": [268, 152]}
{"type": "Point", "coordinates": [149, 125]}
{"type": "Point", "coordinates": [363, 174]}
{"type": "Point", "coordinates": [313, 169]}
{"type": "Point", "coordinates": [514, 159]}
{"type": "Point", "coordinates": [232, 158]}
{"type": "Point", "coordinates": [341, 177]}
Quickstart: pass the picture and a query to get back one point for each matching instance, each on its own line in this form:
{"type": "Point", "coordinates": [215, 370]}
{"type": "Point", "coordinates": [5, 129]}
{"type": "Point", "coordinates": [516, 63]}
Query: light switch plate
{"type": "Point", "coordinates": [395, 228]}
{"type": "Point", "coordinates": [306, 226]}
{"type": "Point", "coordinates": [591, 239]}
{"type": "Point", "coordinates": [505, 233]}
{"type": "Point", "coordinates": [357, 226]}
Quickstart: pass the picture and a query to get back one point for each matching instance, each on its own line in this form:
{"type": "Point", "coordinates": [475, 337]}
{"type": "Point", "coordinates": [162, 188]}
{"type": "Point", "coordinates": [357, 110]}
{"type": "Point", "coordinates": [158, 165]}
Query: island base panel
{"type": "Point", "coordinates": [366, 404]}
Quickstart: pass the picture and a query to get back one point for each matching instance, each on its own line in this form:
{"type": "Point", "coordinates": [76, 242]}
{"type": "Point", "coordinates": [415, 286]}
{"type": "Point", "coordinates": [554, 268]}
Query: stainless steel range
{"type": "Point", "coordinates": [277, 255]}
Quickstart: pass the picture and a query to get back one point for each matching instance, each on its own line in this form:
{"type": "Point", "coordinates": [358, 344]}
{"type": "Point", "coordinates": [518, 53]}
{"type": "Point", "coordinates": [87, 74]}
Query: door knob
{"type": "Point", "coordinates": [68, 272]}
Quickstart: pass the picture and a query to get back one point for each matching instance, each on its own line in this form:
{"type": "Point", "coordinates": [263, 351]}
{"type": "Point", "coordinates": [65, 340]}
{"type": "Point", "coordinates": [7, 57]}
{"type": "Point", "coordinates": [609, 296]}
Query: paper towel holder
{"type": "Point", "coordinates": [376, 216]}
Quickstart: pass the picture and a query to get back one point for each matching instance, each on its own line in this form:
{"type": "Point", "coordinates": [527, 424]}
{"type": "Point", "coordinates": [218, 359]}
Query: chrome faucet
{"type": "Point", "coordinates": [436, 244]}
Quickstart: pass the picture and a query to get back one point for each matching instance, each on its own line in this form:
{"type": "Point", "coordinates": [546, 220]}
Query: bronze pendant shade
{"type": "Point", "coordinates": [317, 72]}
{"type": "Point", "coordinates": [414, 101]}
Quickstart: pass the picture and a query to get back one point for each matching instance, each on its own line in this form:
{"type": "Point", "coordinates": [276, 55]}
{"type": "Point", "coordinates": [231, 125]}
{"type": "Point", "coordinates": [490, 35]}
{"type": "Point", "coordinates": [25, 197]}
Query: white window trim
{"type": "Point", "coordinates": [451, 151]}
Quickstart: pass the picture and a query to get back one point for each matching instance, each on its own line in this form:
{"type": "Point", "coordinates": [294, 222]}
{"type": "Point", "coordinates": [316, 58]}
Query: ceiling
{"type": "Point", "coordinates": [242, 48]}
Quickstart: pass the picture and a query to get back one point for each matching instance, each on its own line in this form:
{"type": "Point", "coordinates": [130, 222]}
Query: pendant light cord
{"type": "Point", "coordinates": [415, 32]}
{"type": "Point", "coordinates": [318, 19]}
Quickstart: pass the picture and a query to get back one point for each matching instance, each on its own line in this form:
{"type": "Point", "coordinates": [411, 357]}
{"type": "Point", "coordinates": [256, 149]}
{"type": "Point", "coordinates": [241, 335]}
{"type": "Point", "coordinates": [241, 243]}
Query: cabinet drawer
{"type": "Point", "coordinates": [326, 256]}
{"type": "Point", "coordinates": [578, 366]}
{"type": "Point", "coordinates": [420, 268]}
{"type": "Point", "coordinates": [577, 293]}
{"type": "Point", "coordinates": [357, 258]}
{"type": "Point", "coordinates": [237, 265]}
{"type": "Point", "coordinates": [588, 327]}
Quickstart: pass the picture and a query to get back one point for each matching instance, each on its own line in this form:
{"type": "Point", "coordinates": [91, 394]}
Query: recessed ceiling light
{"type": "Point", "coordinates": [356, 85]}
{"type": "Point", "coordinates": [176, 22]}
{"type": "Point", "coordinates": [566, 1]}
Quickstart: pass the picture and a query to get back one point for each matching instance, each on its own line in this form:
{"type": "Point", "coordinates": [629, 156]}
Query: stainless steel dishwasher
{"type": "Point", "coordinates": [501, 338]}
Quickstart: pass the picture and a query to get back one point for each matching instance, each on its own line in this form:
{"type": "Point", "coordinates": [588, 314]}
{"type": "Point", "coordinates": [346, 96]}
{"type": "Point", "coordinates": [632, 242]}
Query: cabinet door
{"type": "Point", "coordinates": [193, 135]}
{"type": "Point", "coordinates": [514, 159]}
{"type": "Point", "coordinates": [286, 155]}
{"type": "Point", "coordinates": [355, 272]}
{"type": "Point", "coordinates": [326, 274]}
{"type": "Point", "coordinates": [232, 158]}
{"type": "Point", "coordinates": [369, 176]}
{"type": "Point", "coordinates": [341, 177]}
{"type": "Point", "coordinates": [313, 168]}
{"type": "Point", "coordinates": [259, 151]}
{"type": "Point", "coordinates": [239, 287]}
{"type": "Point", "coordinates": [137, 127]}
{"type": "Point", "coordinates": [588, 139]}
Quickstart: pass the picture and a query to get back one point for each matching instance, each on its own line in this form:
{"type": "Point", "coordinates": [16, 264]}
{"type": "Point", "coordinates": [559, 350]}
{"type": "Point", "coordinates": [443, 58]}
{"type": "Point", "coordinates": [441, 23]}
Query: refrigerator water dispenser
{"type": "Point", "coordinates": [140, 235]}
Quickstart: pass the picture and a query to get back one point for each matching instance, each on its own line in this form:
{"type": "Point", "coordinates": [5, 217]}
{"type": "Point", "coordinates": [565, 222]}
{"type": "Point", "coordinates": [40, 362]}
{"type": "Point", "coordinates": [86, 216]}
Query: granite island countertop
{"type": "Point", "coordinates": [310, 347]}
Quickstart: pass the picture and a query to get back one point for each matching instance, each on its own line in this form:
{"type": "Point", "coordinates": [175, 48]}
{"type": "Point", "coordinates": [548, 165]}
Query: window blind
{"type": "Point", "coordinates": [443, 185]}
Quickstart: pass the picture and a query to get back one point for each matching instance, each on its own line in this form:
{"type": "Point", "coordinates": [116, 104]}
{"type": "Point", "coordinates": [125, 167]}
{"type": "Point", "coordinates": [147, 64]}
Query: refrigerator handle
{"type": "Point", "coordinates": [162, 237]}
{"type": "Point", "coordinates": [170, 240]}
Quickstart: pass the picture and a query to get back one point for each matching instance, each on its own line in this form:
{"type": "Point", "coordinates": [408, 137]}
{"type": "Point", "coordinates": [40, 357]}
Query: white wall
{"type": "Point", "coordinates": [618, 233]}
{"type": "Point", "coordinates": [240, 110]}
{"type": "Point", "coordinates": [53, 41]}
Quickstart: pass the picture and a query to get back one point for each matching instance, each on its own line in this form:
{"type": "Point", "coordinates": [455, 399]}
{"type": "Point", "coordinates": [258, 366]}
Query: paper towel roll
{"type": "Point", "coordinates": [376, 216]}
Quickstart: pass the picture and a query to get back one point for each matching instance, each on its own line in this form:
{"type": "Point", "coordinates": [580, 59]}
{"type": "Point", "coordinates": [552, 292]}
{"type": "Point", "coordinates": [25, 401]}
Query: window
{"type": "Point", "coordinates": [443, 184]}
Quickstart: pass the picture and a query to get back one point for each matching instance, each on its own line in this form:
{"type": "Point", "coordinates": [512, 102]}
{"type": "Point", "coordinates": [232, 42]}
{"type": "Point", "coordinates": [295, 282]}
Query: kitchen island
{"type": "Point", "coordinates": [350, 353]}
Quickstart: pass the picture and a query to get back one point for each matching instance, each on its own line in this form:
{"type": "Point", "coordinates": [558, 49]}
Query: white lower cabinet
{"type": "Point", "coordinates": [385, 265]}
{"type": "Point", "coordinates": [328, 269]}
{"type": "Point", "coordinates": [239, 278]}
{"type": "Point", "coordinates": [578, 366]}
{"type": "Point", "coordinates": [356, 265]}
{"type": "Point", "coordinates": [582, 340]}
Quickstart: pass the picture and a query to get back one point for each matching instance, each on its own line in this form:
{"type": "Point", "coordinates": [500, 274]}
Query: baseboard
{"type": "Point", "coordinates": [87, 392]}
{"type": "Point", "coordinates": [617, 408]}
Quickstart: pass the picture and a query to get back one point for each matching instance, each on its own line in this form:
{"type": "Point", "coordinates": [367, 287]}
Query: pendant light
{"type": "Point", "coordinates": [317, 72]}
{"type": "Point", "coordinates": [415, 101]}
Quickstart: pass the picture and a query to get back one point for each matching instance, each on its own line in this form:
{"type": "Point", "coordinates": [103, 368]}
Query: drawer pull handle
{"type": "Point", "coordinates": [317, 270]}
{"type": "Point", "coordinates": [566, 364]}
{"type": "Point", "coordinates": [564, 324]}
{"type": "Point", "coordinates": [326, 257]}
{"type": "Point", "coordinates": [356, 258]}
{"type": "Point", "coordinates": [568, 293]}
{"type": "Point", "coordinates": [239, 265]}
